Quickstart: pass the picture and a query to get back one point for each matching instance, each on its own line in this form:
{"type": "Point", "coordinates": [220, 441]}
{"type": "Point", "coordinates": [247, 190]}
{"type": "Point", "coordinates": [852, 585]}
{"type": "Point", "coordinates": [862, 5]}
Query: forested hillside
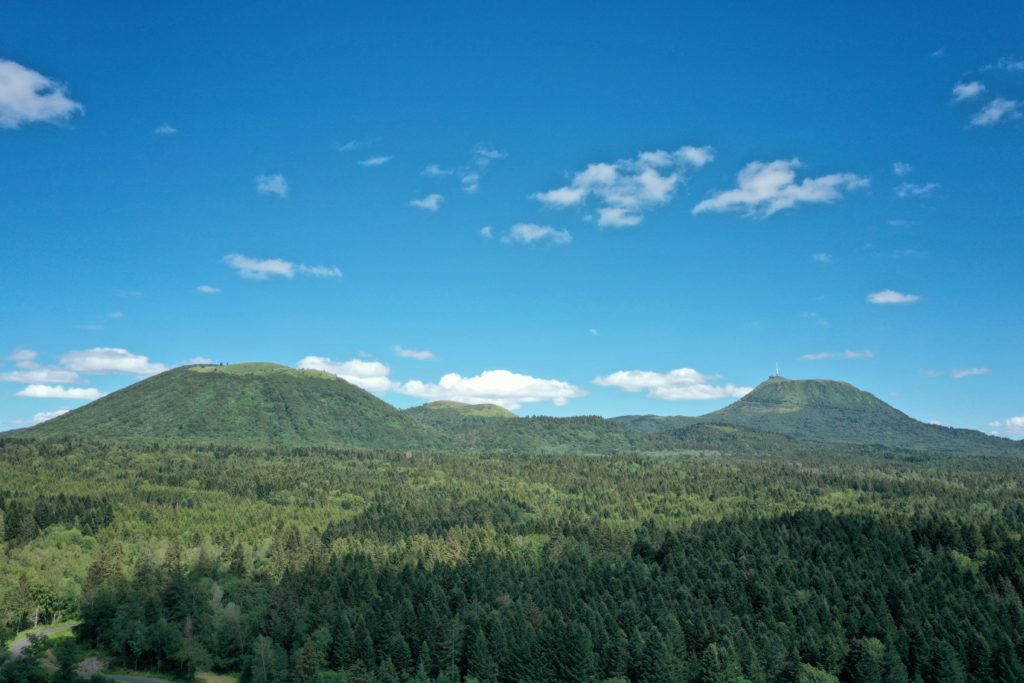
{"type": "Point", "coordinates": [832, 412]}
{"type": "Point", "coordinates": [245, 404]}
{"type": "Point", "coordinates": [727, 563]}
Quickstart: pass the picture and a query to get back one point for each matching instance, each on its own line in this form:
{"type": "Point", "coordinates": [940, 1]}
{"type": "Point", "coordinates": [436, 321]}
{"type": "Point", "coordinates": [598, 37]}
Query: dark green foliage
{"type": "Point", "coordinates": [832, 412]}
{"type": "Point", "coordinates": [245, 404]}
{"type": "Point", "coordinates": [780, 563]}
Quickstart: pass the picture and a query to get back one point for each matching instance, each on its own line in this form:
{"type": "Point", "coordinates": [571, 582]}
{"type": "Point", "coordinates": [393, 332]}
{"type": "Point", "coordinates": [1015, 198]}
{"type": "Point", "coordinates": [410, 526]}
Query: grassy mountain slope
{"type": "Point", "coordinates": [244, 404]}
{"type": "Point", "coordinates": [451, 416]}
{"type": "Point", "coordinates": [835, 412]}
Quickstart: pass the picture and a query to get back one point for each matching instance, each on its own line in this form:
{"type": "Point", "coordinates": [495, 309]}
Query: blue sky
{"type": "Point", "coordinates": [549, 207]}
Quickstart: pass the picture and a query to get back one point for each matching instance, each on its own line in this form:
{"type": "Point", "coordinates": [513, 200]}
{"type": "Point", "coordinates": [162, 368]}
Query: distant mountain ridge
{"type": "Point", "coordinates": [265, 404]}
{"type": "Point", "coordinates": [831, 412]}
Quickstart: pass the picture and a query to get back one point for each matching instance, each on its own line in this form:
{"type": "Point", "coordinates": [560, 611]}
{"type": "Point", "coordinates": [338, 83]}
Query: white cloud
{"type": "Point", "coordinates": [432, 202]}
{"type": "Point", "coordinates": [470, 182]}
{"type": "Point", "coordinates": [166, 129]}
{"type": "Point", "coordinates": [27, 96]}
{"type": "Point", "coordinates": [115, 315]}
{"type": "Point", "coordinates": [967, 91]}
{"type": "Point", "coordinates": [508, 389]}
{"type": "Point", "coordinates": [626, 188]}
{"type": "Point", "coordinates": [905, 190]}
{"type": "Point", "coordinates": [1013, 426]}
{"type": "Point", "coordinates": [49, 391]}
{"type": "Point", "coordinates": [844, 355]}
{"type": "Point", "coordinates": [321, 271]}
{"type": "Point", "coordinates": [822, 258]}
{"type": "Point", "coordinates": [260, 269]}
{"type": "Point", "coordinates": [369, 375]}
{"type": "Point", "coordinates": [208, 289]}
{"type": "Point", "coordinates": [110, 361]}
{"type": "Point", "coordinates": [681, 384]}
{"type": "Point", "coordinates": [375, 161]}
{"type": "Point", "coordinates": [891, 296]}
{"type": "Point", "coordinates": [901, 169]}
{"type": "Point", "coordinates": [995, 111]}
{"type": "Point", "coordinates": [765, 188]}
{"type": "Point", "coordinates": [960, 373]}
{"type": "Point", "coordinates": [413, 353]}
{"type": "Point", "coordinates": [40, 374]}
{"type": "Point", "coordinates": [528, 233]}
{"type": "Point", "coordinates": [938, 53]}
{"type": "Point", "coordinates": [272, 184]}
{"type": "Point", "coordinates": [436, 171]}
{"type": "Point", "coordinates": [199, 360]}
{"type": "Point", "coordinates": [487, 232]}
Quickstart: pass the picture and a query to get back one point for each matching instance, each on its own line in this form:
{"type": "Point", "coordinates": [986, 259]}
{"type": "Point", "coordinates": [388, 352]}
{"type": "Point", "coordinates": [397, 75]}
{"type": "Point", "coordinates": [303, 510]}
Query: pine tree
{"type": "Point", "coordinates": [480, 663]}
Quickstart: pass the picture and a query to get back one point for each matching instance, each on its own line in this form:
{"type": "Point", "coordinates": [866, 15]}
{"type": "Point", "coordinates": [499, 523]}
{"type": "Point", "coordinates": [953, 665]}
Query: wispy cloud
{"type": "Point", "coordinates": [681, 384]}
{"type": "Point", "coordinates": [822, 258]}
{"type": "Point", "coordinates": [23, 355]}
{"type": "Point", "coordinates": [416, 354]}
{"type": "Point", "coordinates": [528, 233]}
{"type": "Point", "coordinates": [995, 111]}
{"type": "Point", "coordinates": [165, 129]}
{"type": "Point", "coordinates": [626, 188]}
{"type": "Point", "coordinates": [274, 184]}
{"type": "Point", "coordinates": [905, 190]}
{"type": "Point", "coordinates": [470, 182]}
{"type": "Point", "coordinates": [842, 355]}
{"type": "Point", "coordinates": [321, 271]}
{"type": "Point", "coordinates": [960, 373]}
{"type": "Point", "coordinates": [110, 361]}
{"type": "Point", "coordinates": [375, 161]}
{"type": "Point", "coordinates": [52, 391]}
{"type": "Point", "coordinates": [505, 388]}
{"type": "Point", "coordinates": [261, 269]}
{"type": "Point", "coordinates": [487, 232]}
{"type": "Point", "coordinates": [765, 188]}
{"type": "Point", "coordinates": [436, 171]}
{"type": "Point", "coordinates": [901, 169]}
{"type": "Point", "coordinates": [27, 96]}
{"type": "Point", "coordinates": [432, 202]}
{"type": "Point", "coordinates": [891, 296]}
{"type": "Point", "coordinates": [207, 289]}
{"type": "Point", "coordinates": [1009, 64]}
{"type": "Point", "coordinates": [37, 375]}
{"type": "Point", "coordinates": [353, 145]}
{"type": "Point", "coordinates": [967, 91]}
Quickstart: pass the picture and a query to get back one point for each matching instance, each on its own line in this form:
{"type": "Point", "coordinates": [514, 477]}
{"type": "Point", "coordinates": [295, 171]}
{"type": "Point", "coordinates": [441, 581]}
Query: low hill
{"type": "Point", "coordinates": [833, 412]}
{"type": "Point", "coordinates": [454, 416]}
{"type": "Point", "coordinates": [244, 404]}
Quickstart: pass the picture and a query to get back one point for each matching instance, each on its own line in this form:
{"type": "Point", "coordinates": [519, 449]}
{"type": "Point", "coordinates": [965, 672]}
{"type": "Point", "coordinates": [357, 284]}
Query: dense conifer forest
{"type": "Point", "coordinates": [318, 564]}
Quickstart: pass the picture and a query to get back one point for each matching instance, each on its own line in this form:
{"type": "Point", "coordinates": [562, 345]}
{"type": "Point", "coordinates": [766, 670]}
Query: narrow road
{"type": "Point", "coordinates": [23, 642]}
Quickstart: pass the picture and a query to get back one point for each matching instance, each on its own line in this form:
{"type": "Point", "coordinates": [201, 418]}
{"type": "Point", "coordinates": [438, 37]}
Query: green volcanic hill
{"type": "Point", "coordinates": [452, 416]}
{"type": "Point", "coordinates": [244, 404]}
{"type": "Point", "coordinates": [834, 412]}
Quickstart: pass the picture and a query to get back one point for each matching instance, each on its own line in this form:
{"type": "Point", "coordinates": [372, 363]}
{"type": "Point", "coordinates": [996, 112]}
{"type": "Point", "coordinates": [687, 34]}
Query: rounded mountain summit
{"type": "Point", "coordinates": [245, 404]}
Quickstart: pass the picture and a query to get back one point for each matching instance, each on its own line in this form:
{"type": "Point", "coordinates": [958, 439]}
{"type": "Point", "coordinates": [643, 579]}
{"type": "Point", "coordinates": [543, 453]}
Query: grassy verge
{"type": "Point", "coordinates": [39, 629]}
